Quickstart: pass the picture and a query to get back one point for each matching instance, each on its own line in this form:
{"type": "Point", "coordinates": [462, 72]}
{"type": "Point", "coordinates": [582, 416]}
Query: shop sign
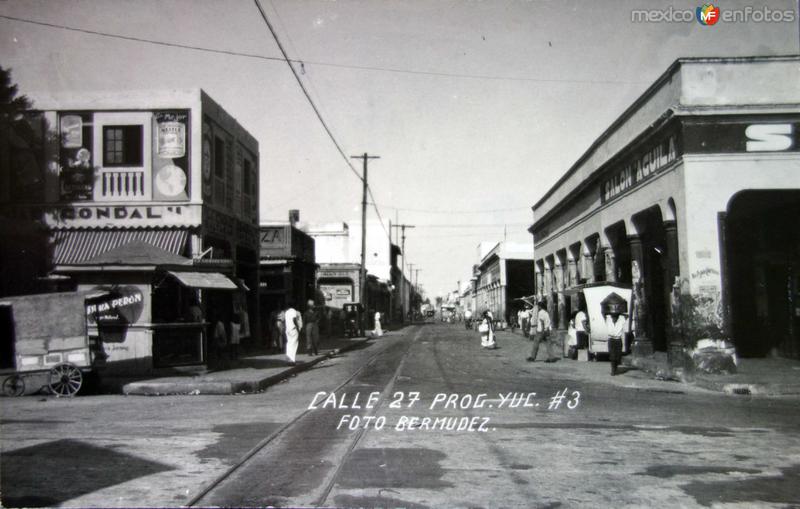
{"type": "Point", "coordinates": [228, 227]}
{"type": "Point", "coordinates": [122, 215]}
{"type": "Point", "coordinates": [742, 137]}
{"type": "Point", "coordinates": [274, 241]}
{"type": "Point", "coordinates": [639, 168]}
{"type": "Point", "coordinates": [120, 307]}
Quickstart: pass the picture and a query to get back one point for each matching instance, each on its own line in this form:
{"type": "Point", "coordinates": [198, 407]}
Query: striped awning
{"type": "Point", "coordinates": [75, 246]}
{"type": "Point", "coordinates": [212, 280]}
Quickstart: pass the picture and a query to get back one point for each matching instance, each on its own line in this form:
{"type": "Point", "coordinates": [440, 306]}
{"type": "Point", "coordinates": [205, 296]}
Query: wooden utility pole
{"type": "Point", "coordinates": [402, 228]}
{"type": "Point", "coordinates": [363, 272]}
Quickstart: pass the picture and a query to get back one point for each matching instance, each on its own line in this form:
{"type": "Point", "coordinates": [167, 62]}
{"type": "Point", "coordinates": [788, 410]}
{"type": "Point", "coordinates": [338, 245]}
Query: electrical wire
{"type": "Point", "coordinates": [316, 110]}
{"type": "Point", "coordinates": [305, 92]}
{"type": "Point", "coordinates": [303, 63]}
{"type": "Point", "coordinates": [470, 211]}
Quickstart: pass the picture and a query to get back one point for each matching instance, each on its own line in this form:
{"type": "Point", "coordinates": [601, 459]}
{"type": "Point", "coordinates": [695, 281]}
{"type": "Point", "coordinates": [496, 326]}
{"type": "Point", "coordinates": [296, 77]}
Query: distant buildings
{"type": "Point", "coordinates": [504, 274]}
{"type": "Point", "coordinates": [288, 272]}
{"type": "Point", "coordinates": [338, 248]}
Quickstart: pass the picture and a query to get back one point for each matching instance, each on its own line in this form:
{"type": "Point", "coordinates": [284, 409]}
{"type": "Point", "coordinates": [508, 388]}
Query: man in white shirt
{"type": "Point", "coordinates": [582, 329]}
{"type": "Point", "coordinates": [617, 325]}
{"type": "Point", "coordinates": [542, 333]}
{"type": "Point", "coordinates": [294, 323]}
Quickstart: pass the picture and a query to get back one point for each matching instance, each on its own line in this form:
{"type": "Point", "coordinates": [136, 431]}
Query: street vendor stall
{"type": "Point", "coordinates": [593, 294]}
{"type": "Point", "coordinates": [46, 335]}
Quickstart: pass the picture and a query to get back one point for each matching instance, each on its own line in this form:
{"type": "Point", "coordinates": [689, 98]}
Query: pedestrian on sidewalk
{"type": "Point", "coordinates": [582, 326]}
{"type": "Point", "coordinates": [294, 324]}
{"type": "Point", "coordinates": [311, 324]}
{"type": "Point", "coordinates": [524, 320]}
{"type": "Point", "coordinates": [542, 334]}
{"type": "Point", "coordinates": [235, 337]}
{"type": "Point", "coordinates": [278, 330]}
{"type": "Point", "coordinates": [616, 324]}
{"type": "Point", "coordinates": [219, 338]}
{"type": "Point", "coordinates": [486, 328]}
{"type": "Point", "coordinates": [378, 329]}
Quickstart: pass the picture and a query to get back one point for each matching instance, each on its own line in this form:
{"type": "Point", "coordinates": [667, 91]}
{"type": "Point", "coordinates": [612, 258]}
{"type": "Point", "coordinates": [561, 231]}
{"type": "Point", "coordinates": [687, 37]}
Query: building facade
{"type": "Point", "coordinates": [504, 274]}
{"type": "Point", "coordinates": [690, 197]}
{"type": "Point", "coordinates": [338, 248]}
{"type": "Point", "coordinates": [168, 169]}
{"type": "Point", "coordinates": [288, 271]}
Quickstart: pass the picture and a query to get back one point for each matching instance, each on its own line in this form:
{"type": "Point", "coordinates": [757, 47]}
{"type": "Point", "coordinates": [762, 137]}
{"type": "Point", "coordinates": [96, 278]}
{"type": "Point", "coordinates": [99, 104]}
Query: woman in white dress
{"type": "Point", "coordinates": [486, 328]}
{"type": "Point", "coordinates": [378, 328]}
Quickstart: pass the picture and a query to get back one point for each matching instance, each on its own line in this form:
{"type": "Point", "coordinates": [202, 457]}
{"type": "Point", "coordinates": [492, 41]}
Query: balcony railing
{"type": "Point", "coordinates": [126, 184]}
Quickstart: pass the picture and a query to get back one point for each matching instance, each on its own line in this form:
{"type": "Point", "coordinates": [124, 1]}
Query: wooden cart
{"type": "Point", "coordinates": [45, 335]}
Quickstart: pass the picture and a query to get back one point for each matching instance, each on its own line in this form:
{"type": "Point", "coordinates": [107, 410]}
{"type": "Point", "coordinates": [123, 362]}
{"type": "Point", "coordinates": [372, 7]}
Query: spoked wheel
{"type": "Point", "coordinates": [14, 386]}
{"type": "Point", "coordinates": [65, 380]}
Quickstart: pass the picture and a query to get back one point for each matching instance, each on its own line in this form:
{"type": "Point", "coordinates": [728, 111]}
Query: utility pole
{"type": "Point", "coordinates": [363, 272]}
{"type": "Point", "coordinates": [402, 228]}
{"type": "Point", "coordinates": [410, 290]}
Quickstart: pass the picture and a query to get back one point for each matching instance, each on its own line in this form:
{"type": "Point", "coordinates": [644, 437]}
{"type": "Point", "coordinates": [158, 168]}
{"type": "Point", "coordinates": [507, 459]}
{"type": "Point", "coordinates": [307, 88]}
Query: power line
{"type": "Point", "coordinates": [141, 39]}
{"type": "Point", "coordinates": [316, 110]}
{"type": "Point", "coordinates": [303, 88]}
{"type": "Point", "coordinates": [442, 211]}
{"type": "Point", "coordinates": [319, 63]}
{"type": "Point", "coordinates": [470, 225]}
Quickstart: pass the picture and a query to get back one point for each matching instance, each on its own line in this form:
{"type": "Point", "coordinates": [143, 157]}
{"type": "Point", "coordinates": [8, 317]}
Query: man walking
{"type": "Point", "coordinates": [311, 324]}
{"type": "Point", "coordinates": [294, 324]}
{"type": "Point", "coordinates": [542, 333]}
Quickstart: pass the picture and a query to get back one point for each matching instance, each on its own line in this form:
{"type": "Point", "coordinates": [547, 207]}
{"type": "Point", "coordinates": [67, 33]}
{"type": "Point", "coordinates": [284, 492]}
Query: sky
{"type": "Point", "coordinates": [475, 107]}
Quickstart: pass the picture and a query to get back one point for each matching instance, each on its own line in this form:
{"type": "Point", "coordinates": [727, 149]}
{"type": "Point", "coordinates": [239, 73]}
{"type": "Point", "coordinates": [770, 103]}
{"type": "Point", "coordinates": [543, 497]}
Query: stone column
{"type": "Point", "coordinates": [588, 267]}
{"type": "Point", "coordinates": [548, 281]}
{"type": "Point", "coordinates": [642, 344]}
{"type": "Point", "coordinates": [610, 264]}
{"type": "Point", "coordinates": [672, 281]}
{"type": "Point", "coordinates": [560, 273]}
{"type": "Point", "coordinates": [572, 271]}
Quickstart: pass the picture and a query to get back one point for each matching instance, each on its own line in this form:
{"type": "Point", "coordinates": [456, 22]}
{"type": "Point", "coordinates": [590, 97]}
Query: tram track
{"type": "Point", "coordinates": [270, 439]}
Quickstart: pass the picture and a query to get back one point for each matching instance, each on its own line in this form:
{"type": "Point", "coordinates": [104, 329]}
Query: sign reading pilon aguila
{"type": "Point", "coordinates": [642, 166]}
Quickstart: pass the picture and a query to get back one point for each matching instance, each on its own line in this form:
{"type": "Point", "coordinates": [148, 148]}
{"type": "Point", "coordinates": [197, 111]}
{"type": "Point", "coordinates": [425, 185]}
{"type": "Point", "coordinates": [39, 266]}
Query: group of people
{"type": "Point", "coordinates": [228, 330]}
{"type": "Point", "coordinates": [287, 326]}
{"type": "Point", "coordinates": [536, 322]}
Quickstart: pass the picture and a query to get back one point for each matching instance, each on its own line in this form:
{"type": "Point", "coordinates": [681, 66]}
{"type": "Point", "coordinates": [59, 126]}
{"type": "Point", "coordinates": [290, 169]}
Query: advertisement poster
{"type": "Point", "coordinates": [78, 173]}
{"type": "Point", "coordinates": [171, 170]}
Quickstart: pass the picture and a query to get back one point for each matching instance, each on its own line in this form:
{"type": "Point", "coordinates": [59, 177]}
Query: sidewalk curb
{"type": "Point", "coordinates": [226, 387]}
{"type": "Point", "coordinates": [748, 389]}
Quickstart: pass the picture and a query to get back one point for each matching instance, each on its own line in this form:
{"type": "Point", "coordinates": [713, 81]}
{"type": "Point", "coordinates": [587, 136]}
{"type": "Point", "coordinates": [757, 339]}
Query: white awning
{"type": "Point", "coordinates": [212, 280]}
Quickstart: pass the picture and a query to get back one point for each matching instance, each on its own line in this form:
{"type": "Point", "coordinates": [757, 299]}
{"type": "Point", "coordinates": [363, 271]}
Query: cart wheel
{"type": "Point", "coordinates": [65, 380]}
{"type": "Point", "coordinates": [14, 386]}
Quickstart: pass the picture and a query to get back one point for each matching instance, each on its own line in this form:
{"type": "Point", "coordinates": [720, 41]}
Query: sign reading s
{"type": "Point", "coordinates": [769, 137]}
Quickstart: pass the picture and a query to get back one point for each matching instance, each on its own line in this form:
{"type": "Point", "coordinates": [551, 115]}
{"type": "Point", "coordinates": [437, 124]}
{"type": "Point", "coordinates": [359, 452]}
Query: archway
{"type": "Point", "coordinates": [654, 274]}
{"type": "Point", "coordinates": [762, 273]}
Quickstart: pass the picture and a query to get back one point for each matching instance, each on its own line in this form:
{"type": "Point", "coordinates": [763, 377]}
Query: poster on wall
{"type": "Point", "coordinates": [336, 295]}
{"type": "Point", "coordinates": [170, 155]}
{"type": "Point", "coordinates": [77, 173]}
{"type": "Point", "coordinates": [114, 311]}
{"type": "Point", "coordinates": [206, 162]}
